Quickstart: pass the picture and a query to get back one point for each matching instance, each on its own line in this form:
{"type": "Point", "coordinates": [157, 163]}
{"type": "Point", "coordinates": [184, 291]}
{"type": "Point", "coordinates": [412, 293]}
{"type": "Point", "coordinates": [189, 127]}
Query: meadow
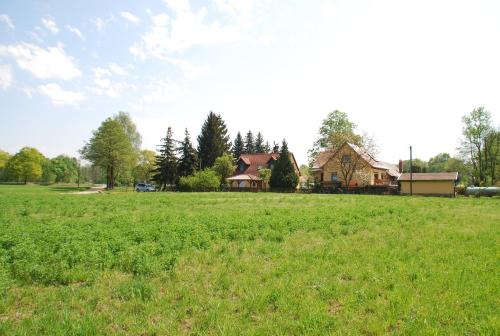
{"type": "Point", "coordinates": [246, 264]}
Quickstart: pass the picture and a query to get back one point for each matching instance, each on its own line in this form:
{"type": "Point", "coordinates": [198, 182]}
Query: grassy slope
{"type": "Point", "coordinates": [241, 263]}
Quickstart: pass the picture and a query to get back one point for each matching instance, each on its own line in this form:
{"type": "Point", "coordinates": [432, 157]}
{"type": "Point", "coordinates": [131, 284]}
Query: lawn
{"type": "Point", "coordinates": [246, 264]}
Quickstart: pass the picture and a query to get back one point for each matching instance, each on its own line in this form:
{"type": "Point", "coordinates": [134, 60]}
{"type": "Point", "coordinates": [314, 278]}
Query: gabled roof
{"type": "Point", "coordinates": [256, 161]}
{"type": "Point", "coordinates": [452, 176]}
{"type": "Point", "coordinates": [324, 157]}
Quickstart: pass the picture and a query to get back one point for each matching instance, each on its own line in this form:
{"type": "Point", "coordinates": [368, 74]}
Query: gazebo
{"type": "Point", "coordinates": [245, 181]}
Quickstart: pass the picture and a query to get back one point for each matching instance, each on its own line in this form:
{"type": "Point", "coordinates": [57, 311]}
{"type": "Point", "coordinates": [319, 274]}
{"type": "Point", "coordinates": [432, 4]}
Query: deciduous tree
{"type": "Point", "coordinates": [26, 165]}
{"type": "Point", "coordinates": [110, 149]}
{"type": "Point", "coordinates": [224, 167]}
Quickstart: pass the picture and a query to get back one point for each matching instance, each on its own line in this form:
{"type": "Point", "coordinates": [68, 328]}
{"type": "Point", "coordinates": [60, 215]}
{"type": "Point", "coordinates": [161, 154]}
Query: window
{"type": "Point", "coordinates": [241, 167]}
{"type": "Point", "coordinates": [376, 176]}
{"type": "Point", "coordinates": [271, 165]}
{"type": "Point", "coordinates": [346, 158]}
{"type": "Point", "coordinates": [334, 177]}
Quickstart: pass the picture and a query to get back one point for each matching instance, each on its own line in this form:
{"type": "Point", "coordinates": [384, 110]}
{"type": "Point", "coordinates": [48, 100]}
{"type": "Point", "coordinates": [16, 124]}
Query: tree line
{"type": "Point", "coordinates": [114, 156]}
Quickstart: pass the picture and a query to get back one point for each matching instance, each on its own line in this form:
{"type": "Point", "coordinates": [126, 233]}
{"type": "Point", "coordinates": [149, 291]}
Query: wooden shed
{"type": "Point", "coordinates": [432, 184]}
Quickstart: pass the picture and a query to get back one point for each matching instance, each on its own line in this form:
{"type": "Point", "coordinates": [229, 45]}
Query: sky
{"type": "Point", "coordinates": [404, 71]}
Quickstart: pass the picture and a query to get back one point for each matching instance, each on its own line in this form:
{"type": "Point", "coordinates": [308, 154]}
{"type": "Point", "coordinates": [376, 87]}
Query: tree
{"type": "Point", "coordinates": [64, 168]}
{"type": "Point", "coordinates": [166, 163]}
{"type": "Point", "coordinates": [249, 143]}
{"type": "Point", "coordinates": [238, 146]}
{"type": "Point", "coordinates": [188, 161]}
{"type": "Point", "coordinates": [224, 167]}
{"type": "Point", "coordinates": [418, 166]}
{"type": "Point", "coordinates": [305, 170]}
{"type": "Point", "coordinates": [130, 129]}
{"type": "Point", "coordinates": [336, 129]}
{"type": "Point", "coordinates": [265, 175]}
{"type": "Point", "coordinates": [4, 157]}
{"type": "Point", "coordinates": [283, 174]}
{"type": "Point", "coordinates": [213, 140]}
{"type": "Point", "coordinates": [476, 127]}
{"type": "Point", "coordinates": [110, 149]}
{"type": "Point", "coordinates": [351, 162]}
{"type": "Point", "coordinates": [146, 166]}
{"type": "Point", "coordinates": [492, 155]}
{"type": "Point", "coordinates": [276, 148]}
{"type": "Point", "coordinates": [26, 165]}
{"type": "Point", "coordinates": [438, 163]}
{"type": "Point", "coordinates": [259, 144]}
{"type": "Point", "coordinates": [267, 148]}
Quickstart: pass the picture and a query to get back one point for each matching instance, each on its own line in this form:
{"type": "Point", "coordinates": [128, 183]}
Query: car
{"type": "Point", "coordinates": [144, 187]}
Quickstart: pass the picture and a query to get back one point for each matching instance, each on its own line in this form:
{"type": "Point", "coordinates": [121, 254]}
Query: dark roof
{"type": "Point", "coordinates": [453, 176]}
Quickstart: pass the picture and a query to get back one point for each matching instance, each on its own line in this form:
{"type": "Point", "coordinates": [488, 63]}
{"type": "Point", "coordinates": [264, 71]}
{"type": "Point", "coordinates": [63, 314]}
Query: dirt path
{"type": "Point", "coordinates": [97, 189]}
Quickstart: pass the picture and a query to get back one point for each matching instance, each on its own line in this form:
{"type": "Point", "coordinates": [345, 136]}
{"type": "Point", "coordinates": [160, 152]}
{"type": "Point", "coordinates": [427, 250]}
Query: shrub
{"type": "Point", "coordinates": [205, 180]}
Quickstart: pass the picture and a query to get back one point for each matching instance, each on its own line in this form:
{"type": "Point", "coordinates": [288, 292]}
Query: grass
{"type": "Point", "coordinates": [246, 264]}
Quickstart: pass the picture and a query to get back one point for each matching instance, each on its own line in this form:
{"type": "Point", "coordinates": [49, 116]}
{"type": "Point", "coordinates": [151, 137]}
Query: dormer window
{"type": "Point", "coordinates": [241, 167]}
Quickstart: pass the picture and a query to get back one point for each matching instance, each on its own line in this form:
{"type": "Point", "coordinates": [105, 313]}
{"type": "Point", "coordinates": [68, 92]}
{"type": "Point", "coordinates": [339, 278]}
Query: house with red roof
{"type": "Point", "coordinates": [248, 166]}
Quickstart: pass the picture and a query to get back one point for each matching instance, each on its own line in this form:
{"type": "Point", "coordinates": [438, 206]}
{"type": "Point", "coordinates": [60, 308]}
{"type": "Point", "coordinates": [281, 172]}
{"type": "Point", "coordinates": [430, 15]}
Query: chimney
{"type": "Point", "coordinates": [401, 166]}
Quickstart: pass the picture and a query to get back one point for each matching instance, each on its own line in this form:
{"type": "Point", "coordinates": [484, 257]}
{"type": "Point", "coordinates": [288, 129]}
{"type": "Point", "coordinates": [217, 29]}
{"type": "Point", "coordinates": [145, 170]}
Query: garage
{"type": "Point", "coordinates": [429, 184]}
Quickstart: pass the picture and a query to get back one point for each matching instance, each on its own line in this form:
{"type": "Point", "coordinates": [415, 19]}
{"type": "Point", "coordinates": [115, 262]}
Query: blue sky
{"type": "Point", "coordinates": [405, 71]}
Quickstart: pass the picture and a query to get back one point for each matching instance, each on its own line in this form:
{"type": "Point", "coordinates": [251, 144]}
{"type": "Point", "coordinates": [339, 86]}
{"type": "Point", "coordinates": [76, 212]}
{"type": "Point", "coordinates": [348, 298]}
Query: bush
{"type": "Point", "coordinates": [205, 180]}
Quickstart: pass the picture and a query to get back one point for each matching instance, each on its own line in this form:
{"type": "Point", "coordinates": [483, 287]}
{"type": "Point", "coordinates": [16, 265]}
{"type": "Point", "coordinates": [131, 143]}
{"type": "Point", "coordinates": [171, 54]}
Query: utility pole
{"type": "Point", "coordinates": [411, 173]}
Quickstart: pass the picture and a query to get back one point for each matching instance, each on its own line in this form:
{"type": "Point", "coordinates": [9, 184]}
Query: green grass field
{"type": "Point", "coordinates": [246, 264]}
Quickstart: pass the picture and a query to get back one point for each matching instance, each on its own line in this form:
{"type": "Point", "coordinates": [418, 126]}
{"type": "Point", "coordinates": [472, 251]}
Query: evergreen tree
{"type": "Point", "coordinates": [188, 162]}
{"type": "Point", "coordinates": [249, 143]}
{"type": "Point", "coordinates": [283, 175]}
{"type": "Point", "coordinates": [213, 140]}
{"type": "Point", "coordinates": [238, 147]}
{"type": "Point", "coordinates": [267, 148]}
{"type": "Point", "coordinates": [276, 148]}
{"type": "Point", "coordinates": [259, 144]}
{"type": "Point", "coordinates": [166, 163]}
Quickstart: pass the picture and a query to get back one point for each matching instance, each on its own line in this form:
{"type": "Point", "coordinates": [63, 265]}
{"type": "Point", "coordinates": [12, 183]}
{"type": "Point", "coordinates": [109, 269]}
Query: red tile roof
{"type": "Point", "coordinates": [254, 162]}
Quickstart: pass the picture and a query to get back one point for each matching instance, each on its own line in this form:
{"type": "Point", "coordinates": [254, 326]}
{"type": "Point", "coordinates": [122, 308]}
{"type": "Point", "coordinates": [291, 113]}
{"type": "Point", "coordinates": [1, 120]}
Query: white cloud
{"type": "Point", "coordinates": [100, 23]}
{"type": "Point", "coordinates": [117, 70]}
{"type": "Point", "coordinates": [5, 76]}
{"type": "Point", "coordinates": [130, 17]}
{"type": "Point", "coordinates": [50, 25]}
{"type": "Point", "coordinates": [7, 20]}
{"type": "Point", "coordinates": [60, 96]}
{"type": "Point", "coordinates": [170, 35]}
{"type": "Point", "coordinates": [42, 63]}
{"type": "Point", "coordinates": [162, 91]}
{"type": "Point", "coordinates": [75, 31]}
{"type": "Point", "coordinates": [101, 72]}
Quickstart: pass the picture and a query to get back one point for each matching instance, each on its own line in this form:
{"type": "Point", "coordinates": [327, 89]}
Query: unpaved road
{"type": "Point", "coordinates": [93, 190]}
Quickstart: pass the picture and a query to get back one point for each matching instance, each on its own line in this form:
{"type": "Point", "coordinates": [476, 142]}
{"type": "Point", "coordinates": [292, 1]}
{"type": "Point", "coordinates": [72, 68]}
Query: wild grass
{"type": "Point", "coordinates": [246, 264]}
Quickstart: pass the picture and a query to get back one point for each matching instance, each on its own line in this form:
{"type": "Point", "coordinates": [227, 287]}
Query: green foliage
{"type": "Point", "coordinates": [213, 140]}
{"type": "Point", "coordinates": [246, 264]}
{"type": "Point", "coordinates": [4, 157]}
{"type": "Point", "coordinates": [204, 180]}
{"type": "Point", "coordinates": [283, 174]}
{"type": "Point", "coordinates": [224, 167]}
{"type": "Point", "coordinates": [249, 143]}
{"type": "Point", "coordinates": [110, 149]}
{"type": "Point", "coordinates": [130, 129]}
{"type": "Point", "coordinates": [238, 146]}
{"type": "Point", "coordinates": [188, 161]}
{"type": "Point", "coordinates": [477, 126]}
{"type": "Point", "coordinates": [335, 130]}
{"type": "Point", "coordinates": [147, 164]}
{"type": "Point", "coordinates": [64, 168]}
{"type": "Point", "coordinates": [265, 174]}
{"type": "Point", "coordinates": [166, 163]}
{"type": "Point", "coordinates": [259, 144]}
{"type": "Point", "coordinates": [25, 165]}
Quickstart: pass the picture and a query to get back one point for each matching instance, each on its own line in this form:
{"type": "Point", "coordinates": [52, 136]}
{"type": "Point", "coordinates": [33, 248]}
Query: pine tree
{"type": "Point", "coordinates": [259, 144]}
{"type": "Point", "coordinates": [267, 148]}
{"type": "Point", "coordinates": [276, 148]}
{"type": "Point", "coordinates": [249, 144]}
{"type": "Point", "coordinates": [213, 140]}
{"type": "Point", "coordinates": [283, 175]}
{"type": "Point", "coordinates": [188, 162]}
{"type": "Point", "coordinates": [166, 163]}
{"type": "Point", "coordinates": [238, 147]}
